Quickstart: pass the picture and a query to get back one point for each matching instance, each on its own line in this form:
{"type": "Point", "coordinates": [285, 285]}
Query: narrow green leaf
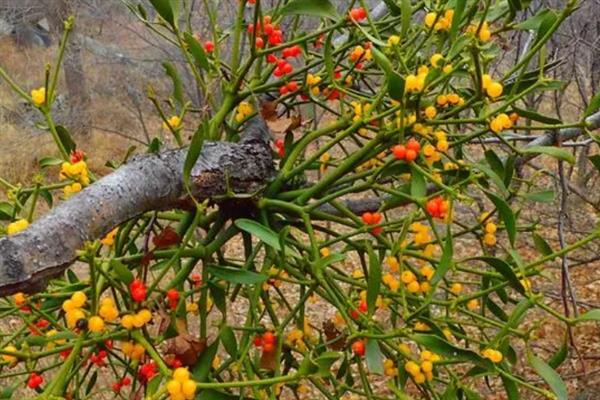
{"type": "Point", "coordinates": [447, 350]}
{"type": "Point", "coordinates": [65, 138]}
{"type": "Point", "coordinates": [123, 273]}
{"type": "Point", "coordinates": [445, 260]}
{"type": "Point", "coordinates": [374, 280]}
{"type": "Point", "coordinates": [535, 116]}
{"type": "Point", "coordinates": [551, 377]}
{"type": "Point", "coordinates": [418, 186]}
{"type": "Point", "coordinates": [325, 361]}
{"type": "Point", "coordinates": [6, 211]}
{"type": "Point", "coordinates": [506, 214]}
{"type": "Point", "coordinates": [595, 159]}
{"type": "Point", "coordinates": [556, 152]}
{"type": "Point", "coordinates": [177, 85]}
{"type": "Point", "coordinates": [165, 9]}
{"type": "Point", "coordinates": [317, 8]}
{"type": "Point", "coordinates": [592, 315]}
{"type": "Point", "coordinates": [50, 161]}
{"type": "Point", "coordinates": [593, 105]}
{"type": "Point", "coordinates": [406, 11]}
{"type": "Point", "coordinates": [267, 235]}
{"type": "Point", "coordinates": [236, 275]}
{"type": "Point", "coordinates": [536, 21]}
{"type": "Point", "coordinates": [511, 388]}
{"type": "Point", "coordinates": [544, 196]}
{"type": "Point", "coordinates": [504, 269]}
{"type": "Point", "coordinates": [201, 370]}
{"type": "Point", "coordinates": [193, 153]}
{"type": "Point", "coordinates": [541, 245]}
{"type": "Point", "coordinates": [374, 357]}
{"type": "Point", "coordinates": [561, 355]}
{"type": "Point", "coordinates": [197, 51]}
{"type": "Point", "coordinates": [459, 9]}
{"type": "Point", "coordinates": [229, 341]}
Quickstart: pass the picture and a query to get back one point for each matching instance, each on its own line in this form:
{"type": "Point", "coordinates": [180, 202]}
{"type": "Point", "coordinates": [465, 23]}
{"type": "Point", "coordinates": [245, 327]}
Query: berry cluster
{"type": "Point", "coordinates": [408, 152]}
{"type": "Point", "coordinates": [437, 207]}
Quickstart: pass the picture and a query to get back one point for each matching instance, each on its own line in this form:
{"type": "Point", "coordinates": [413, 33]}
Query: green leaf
{"type": "Point", "coordinates": [202, 368]}
{"type": "Point", "coordinates": [236, 275]}
{"type": "Point", "coordinates": [544, 196]}
{"type": "Point", "coordinates": [593, 106]}
{"type": "Point", "coordinates": [6, 211]}
{"type": "Point", "coordinates": [177, 85]}
{"type": "Point", "coordinates": [447, 350]}
{"type": "Point", "coordinates": [595, 159]}
{"type": "Point", "coordinates": [504, 269]}
{"type": "Point", "coordinates": [561, 355]}
{"type": "Point", "coordinates": [494, 177]}
{"type": "Point", "coordinates": [551, 377]}
{"type": "Point", "coordinates": [325, 361]}
{"type": "Point", "coordinates": [167, 9]}
{"type": "Point", "coordinates": [459, 9]}
{"type": "Point", "coordinates": [556, 152]}
{"type": "Point", "coordinates": [445, 260]}
{"type": "Point", "coordinates": [229, 341]}
{"type": "Point", "coordinates": [592, 315]}
{"type": "Point", "coordinates": [317, 8]}
{"type": "Point", "coordinates": [197, 51]}
{"type": "Point", "coordinates": [395, 85]}
{"type": "Point", "coordinates": [382, 60]}
{"type": "Point", "coordinates": [121, 271]}
{"type": "Point", "coordinates": [193, 153]}
{"type": "Point", "coordinates": [65, 138]}
{"type": "Point", "coordinates": [374, 280]}
{"type": "Point", "coordinates": [534, 23]}
{"type": "Point", "coordinates": [506, 214]}
{"type": "Point", "coordinates": [374, 357]}
{"type": "Point", "coordinates": [511, 388]}
{"type": "Point", "coordinates": [541, 245]}
{"type": "Point", "coordinates": [406, 10]}
{"type": "Point", "coordinates": [535, 116]}
{"type": "Point", "coordinates": [50, 161]}
{"type": "Point", "coordinates": [265, 234]}
{"type": "Point", "coordinates": [154, 384]}
{"type": "Point", "coordinates": [418, 186]}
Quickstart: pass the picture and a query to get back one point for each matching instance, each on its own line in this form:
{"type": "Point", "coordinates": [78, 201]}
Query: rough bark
{"type": "Point", "coordinates": [152, 182]}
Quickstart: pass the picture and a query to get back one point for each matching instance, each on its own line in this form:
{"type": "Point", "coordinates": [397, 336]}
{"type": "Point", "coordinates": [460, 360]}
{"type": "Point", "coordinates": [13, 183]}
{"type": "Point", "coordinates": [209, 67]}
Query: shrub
{"type": "Point", "coordinates": [342, 271]}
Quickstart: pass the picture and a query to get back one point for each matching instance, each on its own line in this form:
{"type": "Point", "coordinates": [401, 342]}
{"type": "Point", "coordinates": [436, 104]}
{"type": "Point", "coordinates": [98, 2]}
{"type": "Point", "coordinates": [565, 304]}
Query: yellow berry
{"type": "Point", "coordinates": [188, 388]}
{"type": "Point", "coordinates": [174, 387]}
{"type": "Point", "coordinates": [494, 89]}
{"type": "Point", "coordinates": [79, 298]}
{"type": "Point", "coordinates": [456, 288]}
{"type": "Point", "coordinates": [435, 59]}
{"type": "Point", "coordinates": [127, 321]}
{"type": "Point", "coordinates": [38, 96]}
{"type": "Point", "coordinates": [96, 324]}
{"type": "Point", "coordinates": [17, 226]}
{"type": "Point", "coordinates": [413, 287]}
{"type": "Point", "coordinates": [426, 366]}
{"type": "Point", "coordinates": [145, 315]}
{"type": "Point", "coordinates": [430, 19]}
{"type": "Point", "coordinates": [394, 40]}
{"type": "Point", "coordinates": [181, 374]}
{"type": "Point", "coordinates": [430, 112]}
{"type": "Point", "coordinates": [419, 378]}
{"type": "Point", "coordinates": [412, 368]}
{"type": "Point", "coordinates": [473, 304]}
{"type": "Point", "coordinates": [9, 358]}
{"type": "Point", "coordinates": [408, 277]}
{"type": "Point", "coordinates": [489, 239]}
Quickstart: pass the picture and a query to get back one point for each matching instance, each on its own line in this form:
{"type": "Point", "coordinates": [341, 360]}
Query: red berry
{"type": "Point", "coordinates": [358, 348]}
{"type": "Point", "coordinates": [126, 381]}
{"type": "Point", "coordinates": [362, 306]}
{"type": "Point", "coordinates": [399, 151]}
{"type": "Point", "coordinates": [268, 29]}
{"type": "Point", "coordinates": [34, 381]}
{"type": "Point", "coordinates": [173, 294]}
{"type": "Point", "coordinates": [268, 337]}
{"type": "Point", "coordinates": [138, 290]}
{"type": "Point", "coordinates": [376, 218]}
{"type": "Point", "coordinates": [413, 145]}
{"type": "Point", "coordinates": [251, 28]}
{"type": "Point", "coordinates": [116, 387]}
{"type": "Point", "coordinates": [377, 230]}
{"type": "Point", "coordinates": [271, 58]}
{"type": "Point", "coordinates": [278, 72]}
{"type": "Point", "coordinates": [260, 43]}
{"type": "Point", "coordinates": [288, 69]}
{"type": "Point", "coordinates": [292, 86]}
{"type": "Point", "coordinates": [267, 19]}
{"type": "Point", "coordinates": [283, 90]}
{"type": "Point", "coordinates": [76, 156]}
{"type": "Point", "coordinates": [209, 46]}
{"type": "Point", "coordinates": [358, 14]}
{"type": "Point", "coordinates": [367, 218]}
{"type": "Point", "coordinates": [258, 341]}
{"type": "Point", "coordinates": [411, 155]}
{"type": "Point", "coordinates": [268, 347]}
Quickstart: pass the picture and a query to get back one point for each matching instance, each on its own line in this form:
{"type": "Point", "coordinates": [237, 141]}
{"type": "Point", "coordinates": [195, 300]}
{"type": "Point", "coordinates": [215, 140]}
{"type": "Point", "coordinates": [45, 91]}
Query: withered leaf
{"type": "Point", "coordinates": [336, 340]}
{"type": "Point", "coordinates": [186, 348]}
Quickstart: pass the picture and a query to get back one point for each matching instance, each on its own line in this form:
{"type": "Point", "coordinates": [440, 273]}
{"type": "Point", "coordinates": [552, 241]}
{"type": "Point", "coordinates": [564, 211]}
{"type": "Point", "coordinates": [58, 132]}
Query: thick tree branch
{"type": "Point", "coordinates": [151, 182]}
